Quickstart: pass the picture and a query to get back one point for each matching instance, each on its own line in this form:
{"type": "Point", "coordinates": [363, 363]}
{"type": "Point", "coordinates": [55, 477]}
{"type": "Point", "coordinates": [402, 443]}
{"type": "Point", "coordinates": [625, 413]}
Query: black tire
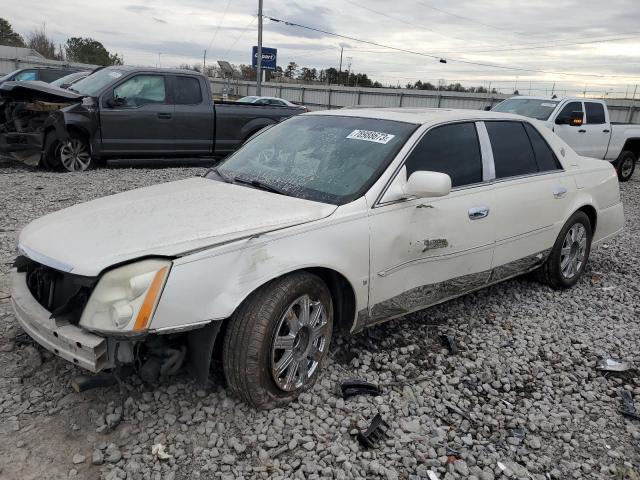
{"type": "Point", "coordinates": [54, 151]}
{"type": "Point", "coordinates": [551, 272]}
{"type": "Point", "coordinates": [249, 343]}
{"type": "Point", "coordinates": [626, 165]}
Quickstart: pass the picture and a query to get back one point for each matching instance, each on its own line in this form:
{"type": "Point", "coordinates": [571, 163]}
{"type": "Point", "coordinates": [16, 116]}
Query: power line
{"type": "Point", "coordinates": [468, 18]}
{"type": "Point", "coordinates": [244, 30]}
{"type": "Point", "coordinates": [219, 25]}
{"type": "Point", "coordinates": [406, 22]}
{"type": "Point", "coordinates": [438, 57]}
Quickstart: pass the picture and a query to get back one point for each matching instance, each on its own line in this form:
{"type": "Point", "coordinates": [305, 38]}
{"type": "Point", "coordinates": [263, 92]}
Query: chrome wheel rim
{"type": "Point", "coordinates": [299, 343]}
{"type": "Point", "coordinates": [74, 155]}
{"type": "Point", "coordinates": [574, 249]}
{"type": "Point", "coordinates": [627, 167]}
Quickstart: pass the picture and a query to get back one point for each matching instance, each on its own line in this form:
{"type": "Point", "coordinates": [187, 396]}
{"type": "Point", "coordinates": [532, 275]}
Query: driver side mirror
{"type": "Point", "coordinates": [427, 184]}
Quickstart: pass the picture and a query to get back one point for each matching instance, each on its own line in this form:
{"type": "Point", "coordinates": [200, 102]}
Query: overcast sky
{"type": "Point", "coordinates": [527, 35]}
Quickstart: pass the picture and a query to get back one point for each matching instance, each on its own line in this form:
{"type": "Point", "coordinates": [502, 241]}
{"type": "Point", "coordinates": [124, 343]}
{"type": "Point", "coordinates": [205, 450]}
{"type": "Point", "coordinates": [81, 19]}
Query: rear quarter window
{"type": "Point", "coordinates": [545, 158]}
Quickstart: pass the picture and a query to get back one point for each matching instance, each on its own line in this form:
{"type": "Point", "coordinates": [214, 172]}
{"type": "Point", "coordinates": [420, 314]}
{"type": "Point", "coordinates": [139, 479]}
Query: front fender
{"type": "Point", "coordinates": [211, 284]}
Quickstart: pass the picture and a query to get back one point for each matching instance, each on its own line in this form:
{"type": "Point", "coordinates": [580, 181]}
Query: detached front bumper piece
{"type": "Point", "coordinates": [67, 341]}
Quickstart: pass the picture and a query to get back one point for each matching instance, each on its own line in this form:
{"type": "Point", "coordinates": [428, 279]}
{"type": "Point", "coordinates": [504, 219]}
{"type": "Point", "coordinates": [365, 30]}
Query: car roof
{"type": "Point", "coordinates": [419, 116]}
{"type": "Point", "coordinates": [133, 68]}
{"type": "Point", "coordinates": [557, 99]}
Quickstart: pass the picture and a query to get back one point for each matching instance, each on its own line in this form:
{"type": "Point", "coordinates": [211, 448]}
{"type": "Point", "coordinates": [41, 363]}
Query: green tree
{"type": "Point", "coordinates": [8, 36]}
{"type": "Point", "coordinates": [88, 50]}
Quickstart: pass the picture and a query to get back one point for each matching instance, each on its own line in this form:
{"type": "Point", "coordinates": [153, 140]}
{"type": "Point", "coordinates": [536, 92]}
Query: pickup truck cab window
{"type": "Point", "coordinates": [329, 159]}
{"type": "Point", "coordinates": [452, 149]}
{"type": "Point", "coordinates": [186, 91]}
{"type": "Point", "coordinates": [512, 151]}
{"type": "Point", "coordinates": [568, 110]}
{"type": "Point", "coordinates": [141, 90]}
{"type": "Point", "coordinates": [595, 113]}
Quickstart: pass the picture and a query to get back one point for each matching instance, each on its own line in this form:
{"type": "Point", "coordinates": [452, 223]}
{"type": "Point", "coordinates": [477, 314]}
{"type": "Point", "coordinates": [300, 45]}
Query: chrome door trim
{"type": "Point", "coordinates": [478, 213]}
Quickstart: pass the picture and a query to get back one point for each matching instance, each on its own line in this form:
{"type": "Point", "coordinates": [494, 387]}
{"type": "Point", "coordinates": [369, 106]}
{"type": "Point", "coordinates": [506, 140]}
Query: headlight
{"type": "Point", "coordinates": [125, 298]}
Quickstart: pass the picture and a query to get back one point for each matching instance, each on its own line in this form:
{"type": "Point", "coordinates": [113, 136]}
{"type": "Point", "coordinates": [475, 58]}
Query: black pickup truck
{"type": "Point", "coordinates": [125, 113]}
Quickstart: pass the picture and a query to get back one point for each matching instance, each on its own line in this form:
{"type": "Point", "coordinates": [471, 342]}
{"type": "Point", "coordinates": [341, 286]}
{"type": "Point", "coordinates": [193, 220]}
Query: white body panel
{"type": "Point", "coordinates": [228, 240]}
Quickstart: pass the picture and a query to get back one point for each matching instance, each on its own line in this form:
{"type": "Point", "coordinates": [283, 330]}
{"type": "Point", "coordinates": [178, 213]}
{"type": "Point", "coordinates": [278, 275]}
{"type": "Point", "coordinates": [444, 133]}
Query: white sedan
{"type": "Point", "coordinates": [327, 222]}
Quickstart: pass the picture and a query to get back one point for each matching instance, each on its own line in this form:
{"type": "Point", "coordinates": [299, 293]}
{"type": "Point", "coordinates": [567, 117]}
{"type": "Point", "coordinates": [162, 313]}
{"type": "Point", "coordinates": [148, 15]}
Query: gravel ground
{"type": "Point", "coordinates": [521, 399]}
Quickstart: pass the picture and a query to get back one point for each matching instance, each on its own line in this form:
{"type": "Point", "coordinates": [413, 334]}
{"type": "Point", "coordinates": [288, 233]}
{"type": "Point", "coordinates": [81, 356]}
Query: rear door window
{"type": "Point", "coordinates": [512, 151]}
{"type": "Point", "coordinates": [595, 113]}
{"type": "Point", "coordinates": [187, 91]}
{"type": "Point", "coordinates": [545, 158]}
{"type": "Point", "coordinates": [452, 149]}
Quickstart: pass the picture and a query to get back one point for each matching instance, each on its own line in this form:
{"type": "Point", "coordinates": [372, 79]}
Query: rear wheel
{"type": "Point", "coordinates": [568, 259]}
{"type": "Point", "coordinates": [278, 339]}
{"type": "Point", "coordinates": [626, 165]}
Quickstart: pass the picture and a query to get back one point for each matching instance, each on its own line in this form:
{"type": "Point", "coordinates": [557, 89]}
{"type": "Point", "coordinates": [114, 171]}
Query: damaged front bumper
{"type": "Point", "coordinates": [67, 341]}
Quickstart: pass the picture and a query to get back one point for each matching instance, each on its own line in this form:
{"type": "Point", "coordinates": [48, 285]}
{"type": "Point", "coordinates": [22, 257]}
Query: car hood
{"type": "Point", "coordinates": [165, 220]}
{"type": "Point", "coordinates": [35, 90]}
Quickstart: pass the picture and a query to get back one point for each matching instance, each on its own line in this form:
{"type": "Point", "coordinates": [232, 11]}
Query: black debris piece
{"type": "Point", "coordinates": [378, 430]}
{"type": "Point", "coordinates": [354, 386]}
{"type": "Point", "coordinates": [628, 407]}
{"type": "Point", "coordinates": [450, 342]}
{"type": "Point", "coordinates": [88, 382]}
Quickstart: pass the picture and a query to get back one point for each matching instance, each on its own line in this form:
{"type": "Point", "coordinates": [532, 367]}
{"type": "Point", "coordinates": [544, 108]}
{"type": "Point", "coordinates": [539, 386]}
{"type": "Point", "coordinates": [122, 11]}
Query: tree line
{"type": "Point", "coordinates": [76, 49]}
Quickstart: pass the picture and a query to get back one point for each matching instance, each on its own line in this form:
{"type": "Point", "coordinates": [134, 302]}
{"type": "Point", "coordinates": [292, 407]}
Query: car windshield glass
{"type": "Point", "coordinates": [247, 100]}
{"type": "Point", "coordinates": [325, 158]}
{"type": "Point", "coordinates": [538, 109]}
{"type": "Point", "coordinates": [95, 82]}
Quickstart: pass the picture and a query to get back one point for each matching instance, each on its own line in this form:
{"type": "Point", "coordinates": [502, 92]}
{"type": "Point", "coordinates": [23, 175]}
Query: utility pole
{"type": "Point", "coordinates": [204, 63]}
{"type": "Point", "coordinates": [159, 64]}
{"type": "Point", "coordinates": [340, 67]}
{"type": "Point", "coordinates": [259, 59]}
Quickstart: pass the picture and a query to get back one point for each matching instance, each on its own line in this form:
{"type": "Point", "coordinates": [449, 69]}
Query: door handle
{"type": "Point", "coordinates": [559, 192]}
{"type": "Point", "coordinates": [582, 131]}
{"type": "Point", "coordinates": [606, 131]}
{"type": "Point", "coordinates": [164, 116]}
{"type": "Point", "coordinates": [476, 213]}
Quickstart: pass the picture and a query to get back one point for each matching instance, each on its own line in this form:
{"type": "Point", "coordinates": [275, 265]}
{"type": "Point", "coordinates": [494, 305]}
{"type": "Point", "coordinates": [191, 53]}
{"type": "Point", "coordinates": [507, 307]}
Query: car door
{"type": "Point", "coordinates": [531, 194]}
{"type": "Point", "coordinates": [575, 136]}
{"type": "Point", "coordinates": [598, 130]}
{"type": "Point", "coordinates": [136, 116]}
{"type": "Point", "coordinates": [424, 251]}
{"type": "Point", "coordinates": [193, 116]}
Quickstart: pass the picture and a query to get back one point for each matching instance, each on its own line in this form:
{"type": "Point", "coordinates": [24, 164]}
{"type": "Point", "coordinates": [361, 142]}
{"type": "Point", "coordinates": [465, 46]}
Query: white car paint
{"type": "Point", "coordinates": [226, 241]}
{"type": "Point", "coordinates": [603, 140]}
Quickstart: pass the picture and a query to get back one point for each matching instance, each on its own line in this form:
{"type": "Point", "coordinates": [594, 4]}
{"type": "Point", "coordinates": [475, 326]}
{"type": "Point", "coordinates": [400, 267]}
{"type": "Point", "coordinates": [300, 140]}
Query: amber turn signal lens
{"type": "Point", "coordinates": [144, 315]}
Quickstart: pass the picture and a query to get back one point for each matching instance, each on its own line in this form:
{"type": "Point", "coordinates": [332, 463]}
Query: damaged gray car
{"type": "Point", "coordinates": [126, 113]}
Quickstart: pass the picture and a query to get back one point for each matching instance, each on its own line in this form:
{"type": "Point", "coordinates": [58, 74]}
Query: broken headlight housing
{"type": "Point", "coordinates": [125, 298]}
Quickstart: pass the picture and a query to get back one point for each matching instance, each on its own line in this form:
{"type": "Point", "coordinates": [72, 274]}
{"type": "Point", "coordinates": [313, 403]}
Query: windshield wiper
{"type": "Point", "coordinates": [72, 90]}
{"type": "Point", "coordinates": [259, 184]}
{"type": "Point", "coordinates": [223, 176]}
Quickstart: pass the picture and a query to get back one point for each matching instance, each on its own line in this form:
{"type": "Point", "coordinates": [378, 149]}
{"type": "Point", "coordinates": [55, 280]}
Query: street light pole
{"type": "Point", "coordinates": [259, 59]}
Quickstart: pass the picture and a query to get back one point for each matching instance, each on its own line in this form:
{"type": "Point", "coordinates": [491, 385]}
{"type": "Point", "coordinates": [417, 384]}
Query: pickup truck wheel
{"type": "Point", "coordinates": [72, 155]}
{"type": "Point", "coordinates": [278, 339]}
{"type": "Point", "coordinates": [626, 165]}
{"type": "Point", "coordinates": [568, 259]}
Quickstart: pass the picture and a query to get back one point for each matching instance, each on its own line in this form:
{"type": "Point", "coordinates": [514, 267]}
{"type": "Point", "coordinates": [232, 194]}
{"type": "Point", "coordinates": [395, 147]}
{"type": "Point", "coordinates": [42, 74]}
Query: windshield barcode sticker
{"type": "Point", "coordinates": [369, 136]}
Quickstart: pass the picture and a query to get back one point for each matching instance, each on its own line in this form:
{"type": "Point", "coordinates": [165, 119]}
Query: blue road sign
{"type": "Point", "coordinates": [269, 58]}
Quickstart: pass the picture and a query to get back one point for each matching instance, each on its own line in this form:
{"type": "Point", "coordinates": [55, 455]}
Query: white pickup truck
{"type": "Point", "coordinates": [585, 125]}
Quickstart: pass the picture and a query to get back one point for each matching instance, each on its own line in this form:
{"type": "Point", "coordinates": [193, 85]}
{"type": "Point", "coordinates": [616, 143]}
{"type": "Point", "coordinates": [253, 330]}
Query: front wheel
{"type": "Point", "coordinates": [626, 165]}
{"type": "Point", "coordinates": [73, 154]}
{"type": "Point", "coordinates": [278, 339]}
{"type": "Point", "coordinates": [568, 258]}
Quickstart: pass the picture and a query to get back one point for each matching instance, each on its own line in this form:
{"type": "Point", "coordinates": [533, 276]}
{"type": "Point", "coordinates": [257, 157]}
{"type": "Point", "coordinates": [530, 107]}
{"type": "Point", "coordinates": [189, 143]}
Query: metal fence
{"type": "Point", "coordinates": [322, 97]}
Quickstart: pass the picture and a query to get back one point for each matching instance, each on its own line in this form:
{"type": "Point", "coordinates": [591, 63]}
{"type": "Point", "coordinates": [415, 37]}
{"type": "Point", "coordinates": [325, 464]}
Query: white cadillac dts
{"type": "Point", "coordinates": [330, 221]}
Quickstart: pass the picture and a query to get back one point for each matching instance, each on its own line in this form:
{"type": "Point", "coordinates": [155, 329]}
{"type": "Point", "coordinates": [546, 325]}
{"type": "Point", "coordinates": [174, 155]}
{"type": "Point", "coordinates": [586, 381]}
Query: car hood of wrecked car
{"type": "Point", "coordinates": [168, 219]}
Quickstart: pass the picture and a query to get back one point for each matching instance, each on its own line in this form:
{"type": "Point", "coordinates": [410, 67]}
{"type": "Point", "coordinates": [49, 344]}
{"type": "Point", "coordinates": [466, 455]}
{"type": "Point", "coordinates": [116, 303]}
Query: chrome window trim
{"type": "Point", "coordinates": [488, 165]}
